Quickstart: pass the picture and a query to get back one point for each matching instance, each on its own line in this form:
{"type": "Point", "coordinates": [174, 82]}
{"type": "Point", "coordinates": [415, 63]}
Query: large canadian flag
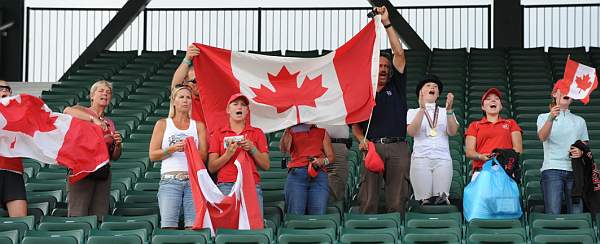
{"type": "Point", "coordinates": [579, 81]}
{"type": "Point", "coordinates": [334, 89]}
{"type": "Point", "coordinates": [29, 129]}
{"type": "Point", "coordinates": [237, 210]}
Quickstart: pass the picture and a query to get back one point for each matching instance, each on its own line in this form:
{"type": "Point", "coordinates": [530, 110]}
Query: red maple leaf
{"type": "Point", "coordinates": [287, 94]}
{"type": "Point", "coordinates": [27, 116]}
{"type": "Point", "coordinates": [583, 82]}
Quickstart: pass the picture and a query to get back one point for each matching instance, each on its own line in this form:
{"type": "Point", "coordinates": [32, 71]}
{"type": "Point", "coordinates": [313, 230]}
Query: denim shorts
{"type": "Point", "coordinates": [173, 196]}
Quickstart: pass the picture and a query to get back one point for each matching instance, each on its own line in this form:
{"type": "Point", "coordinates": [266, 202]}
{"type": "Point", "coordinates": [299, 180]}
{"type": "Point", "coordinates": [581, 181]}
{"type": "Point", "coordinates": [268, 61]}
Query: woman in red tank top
{"type": "Point", "coordinates": [306, 189]}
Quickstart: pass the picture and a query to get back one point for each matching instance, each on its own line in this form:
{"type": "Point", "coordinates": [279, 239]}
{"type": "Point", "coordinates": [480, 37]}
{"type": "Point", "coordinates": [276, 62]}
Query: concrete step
{"type": "Point", "coordinates": [32, 88]}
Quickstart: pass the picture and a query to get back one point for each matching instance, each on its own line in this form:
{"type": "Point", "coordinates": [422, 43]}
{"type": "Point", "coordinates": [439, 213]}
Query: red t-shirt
{"type": "Point", "coordinates": [228, 173]}
{"type": "Point", "coordinates": [11, 164]}
{"type": "Point", "coordinates": [305, 145]}
{"type": "Point", "coordinates": [490, 136]}
{"type": "Point", "coordinates": [197, 112]}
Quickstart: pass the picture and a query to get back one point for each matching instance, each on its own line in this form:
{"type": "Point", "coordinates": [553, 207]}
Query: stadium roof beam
{"type": "Point", "coordinates": [111, 32]}
{"type": "Point", "coordinates": [404, 30]}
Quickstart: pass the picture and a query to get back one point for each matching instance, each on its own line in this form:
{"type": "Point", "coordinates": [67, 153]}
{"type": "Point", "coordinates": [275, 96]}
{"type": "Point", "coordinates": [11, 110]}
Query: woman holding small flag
{"type": "Point", "coordinates": [167, 144]}
{"type": "Point", "coordinates": [430, 126]}
{"type": "Point", "coordinates": [236, 137]}
{"type": "Point", "coordinates": [306, 188]}
{"type": "Point", "coordinates": [558, 130]}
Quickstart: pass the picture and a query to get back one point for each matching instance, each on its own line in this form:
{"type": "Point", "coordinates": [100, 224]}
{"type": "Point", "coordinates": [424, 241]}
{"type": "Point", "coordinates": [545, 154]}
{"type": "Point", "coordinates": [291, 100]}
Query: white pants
{"type": "Point", "coordinates": [430, 177]}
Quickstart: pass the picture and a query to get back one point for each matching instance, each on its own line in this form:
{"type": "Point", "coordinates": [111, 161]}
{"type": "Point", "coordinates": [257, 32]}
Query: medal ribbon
{"type": "Point", "coordinates": [432, 124]}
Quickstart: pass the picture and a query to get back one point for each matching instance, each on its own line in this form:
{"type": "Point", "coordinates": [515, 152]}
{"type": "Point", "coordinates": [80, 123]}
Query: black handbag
{"type": "Point", "coordinates": [101, 174]}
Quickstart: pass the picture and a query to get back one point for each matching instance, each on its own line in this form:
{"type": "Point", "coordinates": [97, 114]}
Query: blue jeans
{"type": "Point", "coordinates": [226, 189]}
{"type": "Point", "coordinates": [305, 195]}
{"type": "Point", "coordinates": [174, 195]}
{"type": "Point", "coordinates": [558, 185]}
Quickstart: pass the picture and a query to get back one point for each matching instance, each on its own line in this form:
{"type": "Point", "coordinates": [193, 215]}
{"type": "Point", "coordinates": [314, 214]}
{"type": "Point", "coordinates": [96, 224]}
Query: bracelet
{"type": "Point", "coordinates": [387, 26]}
{"type": "Point", "coordinates": [450, 112]}
{"type": "Point", "coordinates": [187, 61]}
{"type": "Point", "coordinates": [325, 161]}
{"type": "Point", "coordinates": [253, 150]}
{"type": "Point", "coordinates": [550, 118]}
{"type": "Point", "coordinates": [166, 152]}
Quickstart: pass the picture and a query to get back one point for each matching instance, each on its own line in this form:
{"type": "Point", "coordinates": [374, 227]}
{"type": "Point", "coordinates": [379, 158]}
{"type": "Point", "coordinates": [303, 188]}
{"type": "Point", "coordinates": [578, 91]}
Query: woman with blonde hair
{"type": "Point", "coordinates": [90, 195]}
{"type": "Point", "coordinates": [167, 144]}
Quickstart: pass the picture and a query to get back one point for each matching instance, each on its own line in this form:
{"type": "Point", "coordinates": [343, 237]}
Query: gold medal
{"type": "Point", "coordinates": [432, 122]}
{"type": "Point", "coordinates": [433, 132]}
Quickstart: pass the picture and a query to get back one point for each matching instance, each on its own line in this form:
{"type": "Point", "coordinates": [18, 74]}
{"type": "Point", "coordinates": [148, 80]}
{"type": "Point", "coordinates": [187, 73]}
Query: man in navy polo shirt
{"type": "Point", "coordinates": [387, 130]}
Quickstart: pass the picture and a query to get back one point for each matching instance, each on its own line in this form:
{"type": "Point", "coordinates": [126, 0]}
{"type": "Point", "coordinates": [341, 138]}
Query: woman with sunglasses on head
{"type": "Point", "coordinates": [491, 132]}
{"type": "Point", "coordinates": [558, 130]}
{"type": "Point", "coordinates": [167, 144]}
{"type": "Point", "coordinates": [90, 195]}
{"type": "Point", "coordinates": [185, 75]}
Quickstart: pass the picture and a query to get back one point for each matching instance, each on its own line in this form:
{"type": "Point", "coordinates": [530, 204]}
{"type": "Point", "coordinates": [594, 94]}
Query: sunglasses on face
{"type": "Point", "coordinates": [193, 81]}
{"type": "Point", "coordinates": [5, 88]}
{"type": "Point", "coordinates": [180, 85]}
{"type": "Point", "coordinates": [566, 97]}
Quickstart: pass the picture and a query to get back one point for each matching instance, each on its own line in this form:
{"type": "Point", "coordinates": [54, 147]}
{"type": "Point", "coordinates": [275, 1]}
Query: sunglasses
{"type": "Point", "coordinates": [192, 81]}
{"type": "Point", "coordinates": [566, 97]}
{"type": "Point", "coordinates": [180, 85]}
{"type": "Point", "coordinates": [5, 88]}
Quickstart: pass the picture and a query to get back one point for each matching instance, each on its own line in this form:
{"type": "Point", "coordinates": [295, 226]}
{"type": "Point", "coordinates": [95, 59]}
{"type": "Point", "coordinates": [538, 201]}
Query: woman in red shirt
{"type": "Point", "coordinates": [306, 189]}
{"type": "Point", "coordinates": [13, 197]}
{"type": "Point", "coordinates": [491, 132]}
{"type": "Point", "coordinates": [233, 138]}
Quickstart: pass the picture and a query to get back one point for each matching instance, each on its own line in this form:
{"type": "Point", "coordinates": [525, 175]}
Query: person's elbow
{"type": "Point", "coordinates": [410, 131]}
{"type": "Point", "coordinates": [67, 110]}
{"type": "Point", "coordinates": [542, 137]}
{"type": "Point", "coordinates": [212, 168]}
{"type": "Point", "coordinates": [453, 131]}
{"type": "Point", "coordinates": [266, 165]}
{"type": "Point", "coordinates": [154, 157]}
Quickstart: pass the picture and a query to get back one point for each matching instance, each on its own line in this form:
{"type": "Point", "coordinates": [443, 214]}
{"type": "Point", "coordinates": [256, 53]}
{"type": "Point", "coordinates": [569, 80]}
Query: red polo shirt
{"type": "Point", "coordinates": [306, 144]}
{"type": "Point", "coordinates": [11, 164]}
{"type": "Point", "coordinates": [228, 173]}
{"type": "Point", "coordinates": [197, 112]}
{"type": "Point", "coordinates": [490, 136]}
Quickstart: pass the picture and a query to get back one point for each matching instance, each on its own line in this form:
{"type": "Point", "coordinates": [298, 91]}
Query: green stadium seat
{"type": "Point", "coordinates": [114, 240]}
{"type": "Point", "coordinates": [423, 235]}
{"type": "Point", "coordinates": [306, 236]}
{"type": "Point", "coordinates": [386, 235]}
{"type": "Point", "coordinates": [21, 224]}
{"type": "Point", "coordinates": [264, 236]}
{"type": "Point", "coordinates": [9, 237]}
{"type": "Point", "coordinates": [161, 236]}
{"type": "Point", "coordinates": [51, 237]}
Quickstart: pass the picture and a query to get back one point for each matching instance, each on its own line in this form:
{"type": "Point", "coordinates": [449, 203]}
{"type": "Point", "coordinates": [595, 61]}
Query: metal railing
{"type": "Point", "coordinates": [572, 25]}
{"type": "Point", "coordinates": [56, 37]}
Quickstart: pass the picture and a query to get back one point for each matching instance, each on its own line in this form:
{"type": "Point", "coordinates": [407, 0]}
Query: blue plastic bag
{"type": "Point", "coordinates": [492, 195]}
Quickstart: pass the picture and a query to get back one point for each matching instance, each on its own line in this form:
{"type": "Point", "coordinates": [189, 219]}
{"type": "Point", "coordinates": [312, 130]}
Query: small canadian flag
{"type": "Point", "coordinates": [579, 81]}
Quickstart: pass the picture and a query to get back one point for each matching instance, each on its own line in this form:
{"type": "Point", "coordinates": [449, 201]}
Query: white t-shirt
{"type": "Point", "coordinates": [426, 146]}
{"type": "Point", "coordinates": [177, 161]}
